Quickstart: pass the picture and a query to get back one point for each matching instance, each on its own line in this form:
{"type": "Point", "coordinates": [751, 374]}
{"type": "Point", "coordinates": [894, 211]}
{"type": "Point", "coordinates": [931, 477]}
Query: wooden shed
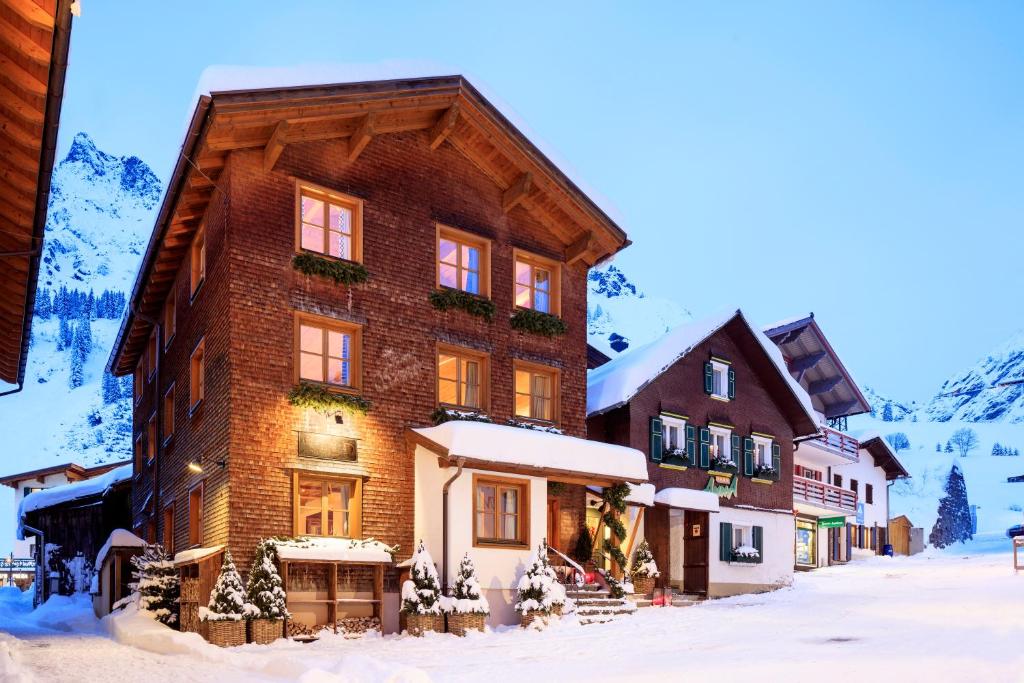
{"type": "Point", "coordinates": [114, 570]}
{"type": "Point", "coordinates": [900, 532]}
{"type": "Point", "coordinates": [198, 569]}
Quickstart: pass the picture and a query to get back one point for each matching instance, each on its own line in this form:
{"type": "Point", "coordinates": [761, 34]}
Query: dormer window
{"type": "Point", "coordinates": [719, 380]}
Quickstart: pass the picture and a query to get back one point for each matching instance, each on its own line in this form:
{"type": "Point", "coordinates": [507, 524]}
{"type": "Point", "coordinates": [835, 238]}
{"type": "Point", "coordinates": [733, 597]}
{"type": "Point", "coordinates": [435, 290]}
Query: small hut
{"type": "Point", "coordinates": [114, 570]}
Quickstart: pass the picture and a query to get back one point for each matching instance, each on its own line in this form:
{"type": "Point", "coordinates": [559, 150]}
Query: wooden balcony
{"type": "Point", "coordinates": [824, 496]}
{"type": "Point", "coordinates": [839, 443]}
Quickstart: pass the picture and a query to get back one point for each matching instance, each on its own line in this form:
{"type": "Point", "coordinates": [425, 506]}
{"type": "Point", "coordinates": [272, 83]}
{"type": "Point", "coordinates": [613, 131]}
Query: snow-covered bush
{"type": "Point", "coordinates": [538, 589]}
{"type": "Point", "coordinates": [265, 589]}
{"type": "Point", "coordinates": [466, 595]}
{"type": "Point", "coordinates": [156, 584]}
{"type": "Point", "coordinates": [644, 565]}
{"type": "Point", "coordinates": [227, 600]}
{"type": "Point", "coordinates": [421, 594]}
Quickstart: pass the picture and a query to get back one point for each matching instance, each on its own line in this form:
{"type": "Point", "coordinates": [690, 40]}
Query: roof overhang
{"type": "Point", "coordinates": [687, 499]}
{"type": "Point", "coordinates": [448, 109]}
{"type": "Point", "coordinates": [885, 458]}
{"type": "Point", "coordinates": [72, 470]}
{"type": "Point", "coordinates": [35, 57]}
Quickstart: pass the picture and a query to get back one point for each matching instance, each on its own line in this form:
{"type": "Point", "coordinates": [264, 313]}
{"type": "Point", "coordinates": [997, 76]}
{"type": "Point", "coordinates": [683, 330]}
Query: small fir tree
{"type": "Point", "coordinates": [76, 377]}
{"type": "Point", "coordinates": [997, 449]}
{"type": "Point", "coordinates": [111, 389]}
{"type": "Point", "coordinates": [644, 565]}
{"type": "Point", "coordinates": [421, 594]}
{"type": "Point", "coordinates": [887, 412]}
{"type": "Point", "coordinates": [156, 584]}
{"type": "Point", "coordinates": [227, 600]}
{"type": "Point", "coordinates": [65, 335]}
{"type": "Point", "coordinates": [954, 522]}
{"type": "Point", "coordinates": [538, 589]}
{"type": "Point", "coordinates": [948, 448]}
{"type": "Point", "coordinates": [265, 589]}
{"type": "Point", "coordinates": [466, 594]}
{"type": "Point", "coordinates": [938, 447]}
{"type": "Point", "coordinates": [583, 551]}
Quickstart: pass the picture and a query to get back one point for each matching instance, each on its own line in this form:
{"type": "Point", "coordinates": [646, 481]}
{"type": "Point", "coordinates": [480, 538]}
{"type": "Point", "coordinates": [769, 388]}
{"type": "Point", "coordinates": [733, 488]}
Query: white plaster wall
{"type": "Point", "coordinates": [777, 565]}
{"type": "Point", "coordinates": [865, 472]}
{"type": "Point", "coordinates": [499, 569]}
{"type": "Point", "coordinates": [21, 548]}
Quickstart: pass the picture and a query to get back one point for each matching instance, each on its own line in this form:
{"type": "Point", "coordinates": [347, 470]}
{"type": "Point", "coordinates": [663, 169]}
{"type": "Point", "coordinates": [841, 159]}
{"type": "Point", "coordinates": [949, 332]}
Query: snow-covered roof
{"type": "Point", "coordinates": [883, 454]}
{"type": "Point", "coordinates": [334, 550]}
{"type": "Point", "coordinates": [79, 489]}
{"type": "Point", "coordinates": [639, 494]}
{"type": "Point", "coordinates": [119, 538]}
{"type": "Point", "coordinates": [195, 554]}
{"type": "Point", "coordinates": [548, 453]}
{"type": "Point", "coordinates": [687, 499]}
{"type": "Point", "coordinates": [616, 382]}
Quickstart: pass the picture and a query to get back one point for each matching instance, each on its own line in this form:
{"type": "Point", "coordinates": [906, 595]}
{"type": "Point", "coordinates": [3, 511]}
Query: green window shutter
{"type": "Point", "coordinates": [705, 447]}
{"type": "Point", "coordinates": [691, 446]}
{"type": "Point", "coordinates": [732, 383]}
{"type": "Point", "coordinates": [758, 537]}
{"type": "Point", "coordinates": [725, 541]}
{"type": "Point", "coordinates": [777, 460]}
{"type": "Point", "coordinates": [657, 447]}
{"type": "Point", "coordinates": [735, 455]}
{"type": "Point", "coordinates": [709, 378]}
{"type": "Point", "coordinates": [748, 456]}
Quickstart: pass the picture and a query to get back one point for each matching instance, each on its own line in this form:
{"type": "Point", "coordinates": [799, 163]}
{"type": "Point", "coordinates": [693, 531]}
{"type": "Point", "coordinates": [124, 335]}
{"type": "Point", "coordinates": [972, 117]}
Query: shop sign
{"type": "Point", "coordinates": [831, 522]}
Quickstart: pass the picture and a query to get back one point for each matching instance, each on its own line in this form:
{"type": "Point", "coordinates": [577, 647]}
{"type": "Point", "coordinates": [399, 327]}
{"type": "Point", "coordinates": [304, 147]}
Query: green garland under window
{"type": "Point", "coordinates": [442, 415]}
{"type": "Point", "coordinates": [342, 272]}
{"type": "Point", "coordinates": [544, 324]}
{"type": "Point", "coordinates": [446, 298]}
{"type": "Point", "coordinates": [614, 498]}
{"type": "Point", "coordinates": [307, 395]}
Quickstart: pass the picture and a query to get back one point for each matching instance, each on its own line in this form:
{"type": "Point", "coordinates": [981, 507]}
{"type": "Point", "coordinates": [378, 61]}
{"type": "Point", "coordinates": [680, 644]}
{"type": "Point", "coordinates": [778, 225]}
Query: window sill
{"type": "Point", "coordinates": [195, 292]}
{"type": "Point", "coordinates": [767, 482]}
{"type": "Point", "coordinates": [501, 545]}
{"type": "Point", "coordinates": [743, 564]}
{"type": "Point", "coordinates": [329, 257]}
{"type": "Point", "coordinates": [716, 397]}
{"type": "Point", "coordinates": [680, 468]}
{"type": "Point", "coordinates": [195, 407]}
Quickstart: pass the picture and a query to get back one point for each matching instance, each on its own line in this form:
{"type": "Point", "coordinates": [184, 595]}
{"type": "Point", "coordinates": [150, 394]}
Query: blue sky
{"type": "Point", "coordinates": [859, 160]}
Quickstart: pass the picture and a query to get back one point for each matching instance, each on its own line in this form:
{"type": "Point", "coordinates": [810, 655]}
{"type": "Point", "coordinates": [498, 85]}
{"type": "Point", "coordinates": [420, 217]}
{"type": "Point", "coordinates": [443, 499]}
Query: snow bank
{"type": "Point", "coordinates": [11, 669]}
{"type": "Point", "coordinates": [514, 446]}
{"type": "Point", "coordinates": [687, 499]}
{"type": "Point", "coordinates": [119, 538]}
{"type": "Point", "coordinates": [334, 550]}
{"type": "Point", "coordinates": [140, 629]}
{"type": "Point", "coordinates": [79, 489]}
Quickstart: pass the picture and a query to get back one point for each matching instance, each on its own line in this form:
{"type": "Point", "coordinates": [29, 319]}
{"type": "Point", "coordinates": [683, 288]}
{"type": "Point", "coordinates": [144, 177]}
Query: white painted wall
{"type": "Point", "coordinates": [776, 568]}
{"type": "Point", "coordinates": [865, 472]}
{"type": "Point", "coordinates": [21, 548]}
{"type": "Point", "coordinates": [499, 569]}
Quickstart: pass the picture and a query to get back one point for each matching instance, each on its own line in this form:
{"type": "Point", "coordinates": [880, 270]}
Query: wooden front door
{"type": "Point", "coordinates": [554, 537]}
{"type": "Point", "coordinates": [695, 552]}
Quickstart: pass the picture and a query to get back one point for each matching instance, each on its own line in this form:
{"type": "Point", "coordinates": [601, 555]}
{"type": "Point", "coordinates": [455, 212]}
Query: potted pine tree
{"type": "Point", "coordinates": [225, 613]}
{"type": "Point", "coordinates": [645, 570]}
{"type": "Point", "coordinates": [422, 601]}
{"type": "Point", "coordinates": [467, 609]}
{"type": "Point", "coordinates": [538, 593]}
{"type": "Point", "coordinates": [156, 582]}
{"type": "Point", "coordinates": [265, 592]}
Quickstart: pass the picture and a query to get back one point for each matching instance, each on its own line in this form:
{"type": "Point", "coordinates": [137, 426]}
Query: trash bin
{"type": "Point", "coordinates": [887, 549]}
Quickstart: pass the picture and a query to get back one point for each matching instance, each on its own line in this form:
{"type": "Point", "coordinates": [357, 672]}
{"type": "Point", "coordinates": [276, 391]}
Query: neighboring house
{"type": "Point", "coordinates": [25, 483]}
{"type": "Point", "coordinates": [273, 400]}
{"type": "Point", "coordinates": [840, 483]}
{"type": "Point", "coordinates": [34, 53]}
{"type": "Point", "coordinates": [714, 407]}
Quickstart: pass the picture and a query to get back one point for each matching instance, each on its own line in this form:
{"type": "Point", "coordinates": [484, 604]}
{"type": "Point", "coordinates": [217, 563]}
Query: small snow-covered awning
{"type": "Point", "coordinates": [310, 549]}
{"type": "Point", "coordinates": [119, 538]}
{"type": "Point", "coordinates": [687, 499]}
{"type": "Point", "coordinates": [196, 554]}
{"type": "Point", "coordinates": [532, 452]}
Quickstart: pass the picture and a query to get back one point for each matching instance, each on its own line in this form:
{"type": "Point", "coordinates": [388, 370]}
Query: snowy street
{"type": "Point", "coordinates": [946, 616]}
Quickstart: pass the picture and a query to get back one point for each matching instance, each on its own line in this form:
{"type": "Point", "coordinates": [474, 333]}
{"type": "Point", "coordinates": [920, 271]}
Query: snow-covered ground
{"type": "Point", "coordinates": [942, 616]}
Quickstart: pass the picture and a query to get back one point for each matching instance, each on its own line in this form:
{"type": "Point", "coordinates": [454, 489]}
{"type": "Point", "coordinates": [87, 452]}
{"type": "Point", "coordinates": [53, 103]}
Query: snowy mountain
{"type": "Point", "coordinates": [888, 409]}
{"type": "Point", "coordinates": [990, 391]}
{"type": "Point", "coordinates": [620, 316]}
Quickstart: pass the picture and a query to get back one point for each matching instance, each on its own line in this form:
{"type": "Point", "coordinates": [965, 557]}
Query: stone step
{"type": "Point", "coordinates": [608, 609]}
{"type": "Point", "coordinates": [596, 601]}
{"type": "Point", "coordinates": [596, 620]}
{"type": "Point", "coordinates": [588, 595]}
{"type": "Point", "coordinates": [642, 602]}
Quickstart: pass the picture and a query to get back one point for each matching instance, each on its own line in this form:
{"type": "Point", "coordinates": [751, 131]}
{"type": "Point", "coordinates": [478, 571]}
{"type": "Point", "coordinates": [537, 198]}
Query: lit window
{"type": "Point", "coordinates": [198, 260]}
{"type": "Point", "coordinates": [536, 285]}
{"type": "Point", "coordinates": [536, 392]}
{"type": "Point", "coordinates": [168, 423]}
{"type": "Point", "coordinates": [328, 352]}
{"type": "Point", "coordinates": [461, 378]}
{"type": "Point", "coordinates": [462, 261]}
{"type": "Point", "coordinates": [673, 430]}
{"type": "Point", "coordinates": [197, 372]}
{"type": "Point", "coordinates": [329, 223]}
{"type": "Point", "coordinates": [721, 445]}
{"type": "Point", "coordinates": [195, 516]}
{"type": "Point", "coordinates": [327, 507]}
{"type": "Point", "coordinates": [500, 512]}
{"type": "Point", "coordinates": [762, 451]}
{"type": "Point", "coordinates": [170, 318]}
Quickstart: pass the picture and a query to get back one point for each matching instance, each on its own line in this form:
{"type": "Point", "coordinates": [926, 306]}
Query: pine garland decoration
{"type": "Point", "coordinates": [321, 399]}
{"type": "Point", "coordinates": [265, 588]}
{"type": "Point", "coordinates": [614, 498]}
{"type": "Point", "coordinates": [342, 272]}
{"type": "Point", "coordinates": [227, 599]}
{"type": "Point", "coordinates": [447, 298]}
{"type": "Point", "coordinates": [156, 583]}
{"type": "Point", "coordinates": [421, 594]}
{"type": "Point", "coordinates": [536, 322]}
{"type": "Point", "coordinates": [442, 415]}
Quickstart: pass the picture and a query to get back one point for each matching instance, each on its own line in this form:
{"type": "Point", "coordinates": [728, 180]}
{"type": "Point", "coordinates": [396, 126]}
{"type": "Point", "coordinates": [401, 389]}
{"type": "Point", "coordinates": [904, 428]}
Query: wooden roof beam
{"type": "Point", "coordinates": [445, 124]}
{"type": "Point", "coordinates": [16, 38]}
{"type": "Point", "coordinates": [21, 78]}
{"type": "Point", "coordinates": [360, 138]}
{"type": "Point", "coordinates": [517, 192]}
{"type": "Point", "coordinates": [16, 104]}
{"type": "Point", "coordinates": [579, 249]}
{"type": "Point", "coordinates": [272, 152]}
{"type": "Point", "coordinates": [32, 13]}
{"type": "Point", "coordinates": [823, 386]}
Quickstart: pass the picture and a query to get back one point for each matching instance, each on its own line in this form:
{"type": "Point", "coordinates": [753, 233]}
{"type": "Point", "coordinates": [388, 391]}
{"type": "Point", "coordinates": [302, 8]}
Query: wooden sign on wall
{"type": "Point", "coordinates": [327, 447]}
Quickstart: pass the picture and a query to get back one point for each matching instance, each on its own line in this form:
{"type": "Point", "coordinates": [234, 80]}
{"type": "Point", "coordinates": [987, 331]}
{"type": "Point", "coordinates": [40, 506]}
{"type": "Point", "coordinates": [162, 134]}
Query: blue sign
{"type": "Point", "coordinates": [860, 514]}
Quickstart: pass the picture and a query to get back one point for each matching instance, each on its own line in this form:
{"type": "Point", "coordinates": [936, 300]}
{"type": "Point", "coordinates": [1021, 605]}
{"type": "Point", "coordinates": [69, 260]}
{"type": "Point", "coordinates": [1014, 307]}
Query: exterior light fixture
{"type": "Point", "coordinates": [339, 418]}
{"type": "Point", "coordinates": [196, 466]}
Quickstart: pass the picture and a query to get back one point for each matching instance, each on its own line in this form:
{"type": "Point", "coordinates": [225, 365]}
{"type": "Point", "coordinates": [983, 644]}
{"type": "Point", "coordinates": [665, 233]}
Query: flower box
{"type": "Point", "coordinates": [758, 480]}
{"type": "Point", "coordinates": [225, 632]}
{"type": "Point", "coordinates": [418, 624]}
{"type": "Point", "coordinates": [720, 473]}
{"type": "Point", "coordinates": [463, 622]}
{"type": "Point", "coordinates": [265, 631]}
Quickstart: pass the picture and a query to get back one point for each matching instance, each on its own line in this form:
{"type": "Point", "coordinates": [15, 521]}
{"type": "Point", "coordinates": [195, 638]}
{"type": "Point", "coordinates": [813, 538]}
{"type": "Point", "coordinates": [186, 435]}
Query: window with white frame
{"type": "Point", "coordinates": [721, 444]}
{"type": "Point", "coordinates": [762, 451]}
{"type": "Point", "coordinates": [719, 379]}
{"type": "Point", "coordinates": [673, 430]}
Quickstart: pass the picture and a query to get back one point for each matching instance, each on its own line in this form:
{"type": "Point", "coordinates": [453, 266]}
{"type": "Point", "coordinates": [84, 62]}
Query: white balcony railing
{"type": "Point", "coordinates": [839, 443]}
{"type": "Point", "coordinates": [824, 496]}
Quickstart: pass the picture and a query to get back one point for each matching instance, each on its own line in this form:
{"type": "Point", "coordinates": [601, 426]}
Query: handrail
{"type": "Point", "coordinates": [580, 574]}
{"type": "Point", "coordinates": [839, 442]}
{"type": "Point", "coordinates": [823, 494]}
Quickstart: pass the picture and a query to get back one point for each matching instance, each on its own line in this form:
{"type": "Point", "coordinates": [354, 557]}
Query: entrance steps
{"type": "Point", "coordinates": [597, 606]}
{"type": "Point", "coordinates": [678, 600]}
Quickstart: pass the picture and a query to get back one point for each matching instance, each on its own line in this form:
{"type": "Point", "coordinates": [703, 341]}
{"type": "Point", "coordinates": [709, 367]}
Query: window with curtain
{"type": "Point", "coordinates": [328, 224]}
{"type": "Point", "coordinates": [326, 507]}
{"type": "Point", "coordinates": [328, 352]}
{"type": "Point", "coordinates": [500, 512]}
{"type": "Point", "coordinates": [461, 379]}
{"type": "Point", "coordinates": [535, 394]}
{"type": "Point", "coordinates": [462, 261]}
{"type": "Point", "coordinates": [536, 283]}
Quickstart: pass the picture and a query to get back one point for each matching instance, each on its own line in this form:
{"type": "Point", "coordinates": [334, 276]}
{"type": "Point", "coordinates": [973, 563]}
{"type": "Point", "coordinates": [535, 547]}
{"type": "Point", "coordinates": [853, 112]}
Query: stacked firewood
{"type": "Point", "coordinates": [356, 626]}
{"type": "Point", "coordinates": [297, 629]}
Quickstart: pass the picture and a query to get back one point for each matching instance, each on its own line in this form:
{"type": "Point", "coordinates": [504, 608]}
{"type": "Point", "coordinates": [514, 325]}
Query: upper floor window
{"type": "Point", "coordinates": [197, 375]}
{"type": "Point", "coordinates": [195, 515]}
{"type": "Point", "coordinates": [197, 260]}
{"type": "Point", "coordinates": [328, 351]}
{"type": "Point", "coordinates": [463, 261]}
{"type": "Point", "coordinates": [137, 380]}
{"type": "Point", "coordinates": [719, 379]}
{"type": "Point", "coordinates": [673, 431]}
{"type": "Point", "coordinates": [721, 445]}
{"type": "Point", "coordinates": [536, 389]}
{"type": "Point", "coordinates": [854, 484]}
{"type": "Point", "coordinates": [762, 451]}
{"type": "Point", "coordinates": [807, 473]}
{"type": "Point", "coordinates": [151, 439]}
{"type": "Point", "coordinates": [168, 422]}
{"type": "Point", "coordinates": [168, 537]}
{"type": "Point", "coordinates": [869, 494]}
{"type": "Point", "coordinates": [536, 283]}
{"type": "Point", "coordinates": [170, 318]}
{"type": "Point", "coordinates": [329, 223]}
{"type": "Point", "coordinates": [327, 506]}
{"type": "Point", "coordinates": [462, 378]}
{"type": "Point", "coordinates": [151, 347]}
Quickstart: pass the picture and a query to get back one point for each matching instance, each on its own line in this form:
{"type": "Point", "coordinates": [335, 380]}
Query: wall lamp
{"type": "Point", "coordinates": [196, 466]}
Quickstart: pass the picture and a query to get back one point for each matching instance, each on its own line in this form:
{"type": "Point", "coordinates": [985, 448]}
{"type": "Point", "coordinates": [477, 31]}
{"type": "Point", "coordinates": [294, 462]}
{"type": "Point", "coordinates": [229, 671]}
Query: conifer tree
{"type": "Point", "coordinates": [77, 375]}
{"type": "Point", "coordinates": [43, 307]}
{"type": "Point", "coordinates": [265, 589]}
{"type": "Point", "coordinates": [466, 595]}
{"type": "Point", "coordinates": [227, 600]}
{"type": "Point", "coordinates": [643, 562]}
{"type": "Point", "coordinates": [954, 522]}
{"type": "Point", "coordinates": [111, 389]}
{"type": "Point", "coordinates": [538, 589]}
{"type": "Point", "coordinates": [583, 551]}
{"type": "Point", "coordinates": [156, 583]}
{"type": "Point", "coordinates": [65, 335]}
{"type": "Point", "coordinates": [421, 594]}
{"type": "Point", "coordinates": [938, 447]}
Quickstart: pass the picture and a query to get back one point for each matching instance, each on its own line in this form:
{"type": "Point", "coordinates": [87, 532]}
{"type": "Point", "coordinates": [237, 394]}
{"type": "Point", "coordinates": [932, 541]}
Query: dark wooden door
{"type": "Point", "coordinates": [554, 537]}
{"type": "Point", "coordinates": [695, 552]}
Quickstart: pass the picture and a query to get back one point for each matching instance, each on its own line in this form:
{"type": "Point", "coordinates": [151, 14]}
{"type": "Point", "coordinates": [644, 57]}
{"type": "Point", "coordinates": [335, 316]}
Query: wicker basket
{"type": "Point", "coordinates": [527, 619]}
{"type": "Point", "coordinates": [418, 624]}
{"type": "Point", "coordinates": [461, 623]}
{"type": "Point", "coordinates": [643, 585]}
{"type": "Point", "coordinates": [265, 631]}
{"type": "Point", "coordinates": [226, 633]}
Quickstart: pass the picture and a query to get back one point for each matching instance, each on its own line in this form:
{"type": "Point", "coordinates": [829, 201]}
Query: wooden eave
{"type": "Point", "coordinates": [448, 108]}
{"type": "Point", "coordinates": [34, 40]}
